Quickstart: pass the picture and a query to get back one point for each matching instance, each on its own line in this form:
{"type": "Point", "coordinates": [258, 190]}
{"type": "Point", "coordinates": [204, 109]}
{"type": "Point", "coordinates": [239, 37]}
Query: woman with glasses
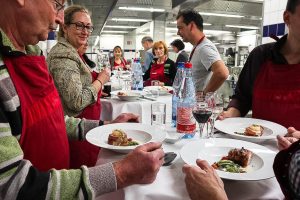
{"type": "Point", "coordinates": [78, 86]}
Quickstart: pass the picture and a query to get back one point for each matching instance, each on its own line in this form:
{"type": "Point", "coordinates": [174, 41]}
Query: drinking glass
{"type": "Point", "coordinates": [155, 91]}
{"type": "Point", "coordinates": [127, 84]}
{"type": "Point", "coordinates": [158, 114]}
{"type": "Point", "coordinates": [202, 112]}
{"type": "Point", "coordinates": [217, 101]}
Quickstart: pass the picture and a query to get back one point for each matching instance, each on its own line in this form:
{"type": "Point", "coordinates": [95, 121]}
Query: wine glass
{"type": "Point", "coordinates": [202, 111]}
{"type": "Point", "coordinates": [217, 101]}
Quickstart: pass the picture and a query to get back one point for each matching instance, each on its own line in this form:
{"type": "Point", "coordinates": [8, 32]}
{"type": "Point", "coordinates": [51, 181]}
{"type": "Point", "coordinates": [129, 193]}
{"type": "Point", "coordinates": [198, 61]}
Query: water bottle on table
{"type": "Point", "coordinates": [176, 87]}
{"type": "Point", "coordinates": [137, 75]}
{"type": "Point", "coordinates": [186, 123]}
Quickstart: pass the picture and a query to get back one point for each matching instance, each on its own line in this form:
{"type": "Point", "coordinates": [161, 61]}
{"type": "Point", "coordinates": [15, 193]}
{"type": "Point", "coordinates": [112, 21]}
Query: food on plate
{"type": "Point", "coordinates": [122, 94]}
{"type": "Point", "coordinates": [254, 130]}
{"type": "Point", "coordinates": [235, 162]}
{"type": "Point", "coordinates": [119, 138]}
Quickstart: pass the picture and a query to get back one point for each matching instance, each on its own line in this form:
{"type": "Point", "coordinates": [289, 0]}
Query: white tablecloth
{"type": "Point", "coordinates": [169, 183]}
{"type": "Point", "coordinates": [112, 107]}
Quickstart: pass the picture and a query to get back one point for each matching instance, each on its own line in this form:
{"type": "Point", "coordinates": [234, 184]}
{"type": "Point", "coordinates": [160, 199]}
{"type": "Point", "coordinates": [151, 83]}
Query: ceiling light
{"type": "Point", "coordinates": [130, 20]}
{"type": "Point", "coordinates": [214, 32]}
{"type": "Point", "coordinates": [114, 31]}
{"type": "Point", "coordinates": [204, 24]}
{"type": "Point", "coordinates": [220, 15]}
{"type": "Point", "coordinates": [121, 27]}
{"type": "Point", "coordinates": [142, 9]}
{"type": "Point", "coordinates": [245, 27]}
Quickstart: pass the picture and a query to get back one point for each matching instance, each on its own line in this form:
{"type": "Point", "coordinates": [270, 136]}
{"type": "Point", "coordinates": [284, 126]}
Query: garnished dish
{"type": "Point", "coordinates": [253, 130]}
{"type": "Point", "coordinates": [119, 138]}
{"type": "Point", "coordinates": [236, 161]}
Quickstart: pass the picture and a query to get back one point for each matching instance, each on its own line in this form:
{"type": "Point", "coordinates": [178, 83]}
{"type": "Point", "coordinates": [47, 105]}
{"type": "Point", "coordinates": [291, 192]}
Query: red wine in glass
{"type": "Point", "coordinates": [202, 116]}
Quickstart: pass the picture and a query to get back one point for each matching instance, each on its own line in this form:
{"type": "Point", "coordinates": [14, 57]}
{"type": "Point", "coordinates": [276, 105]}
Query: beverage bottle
{"type": "Point", "coordinates": [186, 122]}
{"type": "Point", "coordinates": [176, 87]}
{"type": "Point", "coordinates": [137, 75]}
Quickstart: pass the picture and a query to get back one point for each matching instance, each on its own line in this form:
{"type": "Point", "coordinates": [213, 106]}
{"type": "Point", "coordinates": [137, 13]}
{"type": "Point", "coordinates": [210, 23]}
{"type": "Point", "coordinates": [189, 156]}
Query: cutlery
{"type": "Point", "coordinates": [168, 158]}
{"type": "Point", "coordinates": [148, 98]}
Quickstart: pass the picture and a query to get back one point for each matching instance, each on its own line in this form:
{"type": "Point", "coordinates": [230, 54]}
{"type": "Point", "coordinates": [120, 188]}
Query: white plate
{"type": "Point", "coordinates": [163, 90]}
{"type": "Point", "coordinates": [131, 95]}
{"type": "Point", "coordinates": [214, 149]}
{"type": "Point", "coordinates": [239, 124]}
{"type": "Point", "coordinates": [142, 133]}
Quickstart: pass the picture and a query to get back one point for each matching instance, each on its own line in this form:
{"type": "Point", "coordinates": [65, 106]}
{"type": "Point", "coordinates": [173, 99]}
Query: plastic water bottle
{"type": "Point", "coordinates": [137, 75]}
{"type": "Point", "coordinates": [186, 122]}
{"type": "Point", "coordinates": [176, 87]}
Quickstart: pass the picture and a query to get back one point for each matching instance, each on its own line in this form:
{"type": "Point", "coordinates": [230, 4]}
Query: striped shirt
{"type": "Point", "coordinates": [18, 178]}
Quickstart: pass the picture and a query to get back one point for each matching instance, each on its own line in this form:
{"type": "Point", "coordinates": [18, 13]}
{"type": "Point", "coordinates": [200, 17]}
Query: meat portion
{"type": "Point", "coordinates": [118, 138]}
{"type": "Point", "coordinates": [240, 156]}
{"type": "Point", "coordinates": [254, 130]}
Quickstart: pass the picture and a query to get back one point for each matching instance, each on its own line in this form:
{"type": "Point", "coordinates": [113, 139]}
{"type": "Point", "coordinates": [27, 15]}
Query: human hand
{"type": "Point", "coordinates": [231, 112]}
{"type": "Point", "coordinates": [285, 142]}
{"type": "Point", "coordinates": [140, 166]}
{"type": "Point", "coordinates": [292, 132]}
{"type": "Point", "coordinates": [126, 117]}
{"type": "Point", "coordinates": [203, 182]}
{"type": "Point", "coordinates": [104, 75]}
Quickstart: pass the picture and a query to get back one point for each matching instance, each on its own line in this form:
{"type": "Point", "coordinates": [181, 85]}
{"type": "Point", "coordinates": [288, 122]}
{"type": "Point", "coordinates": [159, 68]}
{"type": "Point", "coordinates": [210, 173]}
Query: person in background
{"type": "Point", "coordinates": [269, 82]}
{"type": "Point", "coordinates": [178, 47]}
{"type": "Point", "coordinates": [118, 62]}
{"type": "Point", "coordinates": [147, 43]}
{"type": "Point", "coordinates": [161, 68]}
{"type": "Point", "coordinates": [33, 134]}
{"type": "Point", "coordinates": [81, 51]}
{"type": "Point", "coordinates": [274, 68]}
{"type": "Point", "coordinates": [209, 71]}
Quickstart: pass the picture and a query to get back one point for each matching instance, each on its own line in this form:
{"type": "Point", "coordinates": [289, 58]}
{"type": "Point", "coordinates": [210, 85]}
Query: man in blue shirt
{"type": "Point", "coordinates": [147, 43]}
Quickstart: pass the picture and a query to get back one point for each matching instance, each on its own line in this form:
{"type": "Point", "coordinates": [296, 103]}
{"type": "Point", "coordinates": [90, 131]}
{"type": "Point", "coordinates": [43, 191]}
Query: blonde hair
{"type": "Point", "coordinates": [68, 16]}
{"type": "Point", "coordinates": [159, 43]}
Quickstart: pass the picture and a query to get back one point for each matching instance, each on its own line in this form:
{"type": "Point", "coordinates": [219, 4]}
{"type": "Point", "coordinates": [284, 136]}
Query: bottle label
{"type": "Point", "coordinates": [186, 122]}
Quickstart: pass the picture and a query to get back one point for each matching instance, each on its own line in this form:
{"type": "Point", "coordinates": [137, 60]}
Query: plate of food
{"type": "Point", "coordinates": [124, 137]}
{"type": "Point", "coordinates": [232, 159]}
{"type": "Point", "coordinates": [162, 90]}
{"type": "Point", "coordinates": [250, 129]}
{"type": "Point", "coordinates": [130, 95]}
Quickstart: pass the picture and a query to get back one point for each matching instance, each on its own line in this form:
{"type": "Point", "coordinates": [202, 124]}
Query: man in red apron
{"type": "Point", "coordinates": [269, 83]}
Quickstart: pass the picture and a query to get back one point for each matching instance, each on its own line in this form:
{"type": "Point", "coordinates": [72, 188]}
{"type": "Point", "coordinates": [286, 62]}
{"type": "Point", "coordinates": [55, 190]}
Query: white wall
{"type": "Point", "coordinates": [110, 41]}
{"type": "Point", "coordinates": [273, 14]}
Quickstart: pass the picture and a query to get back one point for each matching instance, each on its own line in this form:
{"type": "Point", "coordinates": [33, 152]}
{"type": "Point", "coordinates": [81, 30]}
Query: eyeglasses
{"type": "Point", "coordinates": [58, 6]}
{"type": "Point", "coordinates": [80, 26]}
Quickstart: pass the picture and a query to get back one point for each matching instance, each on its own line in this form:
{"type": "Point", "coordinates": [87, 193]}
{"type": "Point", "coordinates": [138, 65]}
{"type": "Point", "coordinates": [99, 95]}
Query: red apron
{"type": "Point", "coordinates": [44, 137]}
{"type": "Point", "coordinates": [82, 152]}
{"type": "Point", "coordinates": [157, 72]}
{"type": "Point", "coordinates": [276, 94]}
{"type": "Point", "coordinates": [281, 168]}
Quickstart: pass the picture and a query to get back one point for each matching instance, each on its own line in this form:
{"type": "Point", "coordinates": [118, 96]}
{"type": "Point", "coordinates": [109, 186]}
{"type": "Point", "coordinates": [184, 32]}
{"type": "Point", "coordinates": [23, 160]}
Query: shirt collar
{"type": "Point", "coordinates": [8, 49]}
{"type": "Point", "coordinates": [275, 51]}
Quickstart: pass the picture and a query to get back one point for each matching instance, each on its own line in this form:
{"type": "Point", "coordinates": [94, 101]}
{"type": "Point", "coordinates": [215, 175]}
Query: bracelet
{"type": "Point", "coordinates": [99, 81]}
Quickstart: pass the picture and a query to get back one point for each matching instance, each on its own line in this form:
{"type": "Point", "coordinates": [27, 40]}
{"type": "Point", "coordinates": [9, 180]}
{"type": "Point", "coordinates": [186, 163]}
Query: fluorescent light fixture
{"type": "Point", "coordinates": [142, 9]}
{"type": "Point", "coordinates": [171, 29]}
{"type": "Point", "coordinates": [214, 32]}
{"type": "Point", "coordinates": [220, 15]}
{"type": "Point", "coordinates": [120, 27]}
{"type": "Point", "coordinates": [204, 24]}
{"type": "Point", "coordinates": [114, 31]}
{"type": "Point", "coordinates": [245, 27]}
{"type": "Point", "coordinates": [130, 20]}
{"type": "Point", "coordinates": [216, 43]}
